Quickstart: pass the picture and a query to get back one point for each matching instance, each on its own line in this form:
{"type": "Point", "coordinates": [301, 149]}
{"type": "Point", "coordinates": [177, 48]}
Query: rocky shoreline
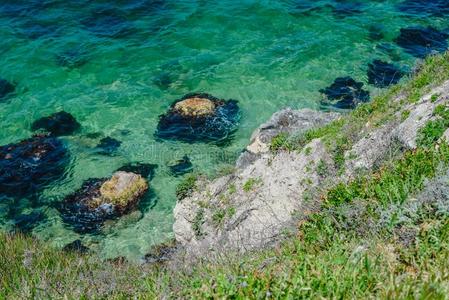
{"type": "Point", "coordinates": [271, 191]}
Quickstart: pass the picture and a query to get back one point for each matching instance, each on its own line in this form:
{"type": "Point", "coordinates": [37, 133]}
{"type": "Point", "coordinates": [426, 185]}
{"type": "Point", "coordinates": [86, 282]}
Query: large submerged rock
{"type": "Point", "coordinates": [383, 74]}
{"type": "Point", "coordinates": [6, 88]}
{"type": "Point", "coordinates": [437, 8]}
{"type": "Point", "coordinates": [101, 199]}
{"type": "Point", "coordinates": [57, 124]}
{"type": "Point", "coordinates": [199, 117]}
{"type": "Point", "coordinates": [422, 41]}
{"type": "Point", "coordinates": [31, 165]}
{"type": "Point", "coordinates": [345, 93]}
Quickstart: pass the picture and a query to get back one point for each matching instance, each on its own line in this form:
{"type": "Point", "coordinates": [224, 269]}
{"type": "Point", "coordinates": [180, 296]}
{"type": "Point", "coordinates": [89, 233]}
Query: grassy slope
{"type": "Point", "coordinates": [338, 253]}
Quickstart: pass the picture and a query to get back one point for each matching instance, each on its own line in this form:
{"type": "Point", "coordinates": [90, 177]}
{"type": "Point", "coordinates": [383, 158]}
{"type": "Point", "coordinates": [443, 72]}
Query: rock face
{"type": "Point", "coordinates": [285, 121]}
{"type": "Point", "coordinates": [268, 194]}
{"type": "Point", "coordinates": [199, 117]}
{"type": "Point", "coordinates": [57, 124]}
{"type": "Point", "coordinates": [30, 165]}
{"type": "Point", "coordinates": [101, 199]}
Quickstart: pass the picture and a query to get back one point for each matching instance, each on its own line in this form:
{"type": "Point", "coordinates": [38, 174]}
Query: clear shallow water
{"type": "Point", "coordinates": [134, 58]}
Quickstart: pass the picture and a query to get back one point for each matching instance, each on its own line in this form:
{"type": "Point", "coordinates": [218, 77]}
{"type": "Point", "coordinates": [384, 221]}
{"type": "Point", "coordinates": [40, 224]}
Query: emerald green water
{"type": "Point", "coordinates": [265, 54]}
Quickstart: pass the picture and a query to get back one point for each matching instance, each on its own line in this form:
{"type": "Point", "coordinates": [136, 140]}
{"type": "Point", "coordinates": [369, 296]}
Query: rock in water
{"type": "Point", "coordinates": [57, 124]}
{"type": "Point", "coordinates": [199, 117]}
{"type": "Point", "coordinates": [421, 41]}
{"type": "Point", "coordinates": [143, 169]}
{"type": "Point", "coordinates": [436, 8]}
{"type": "Point", "coordinates": [345, 93]}
{"type": "Point", "coordinates": [30, 165]}
{"type": "Point", "coordinates": [108, 23]}
{"type": "Point", "coordinates": [181, 166]}
{"type": "Point", "coordinates": [383, 74]}
{"type": "Point", "coordinates": [108, 145]}
{"type": "Point", "coordinates": [101, 199]}
{"type": "Point", "coordinates": [344, 9]}
{"type": "Point", "coordinates": [76, 246]}
{"type": "Point", "coordinates": [72, 59]}
{"type": "Point", "coordinates": [6, 88]}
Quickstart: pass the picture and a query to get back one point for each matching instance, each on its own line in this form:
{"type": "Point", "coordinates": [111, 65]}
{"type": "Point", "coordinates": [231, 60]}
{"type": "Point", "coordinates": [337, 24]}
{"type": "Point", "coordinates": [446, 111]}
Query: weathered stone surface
{"type": "Point", "coordinates": [262, 209]}
{"type": "Point", "coordinates": [101, 199]}
{"type": "Point", "coordinates": [263, 198]}
{"type": "Point", "coordinates": [285, 121]}
{"type": "Point", "coordinates": [199, 117]}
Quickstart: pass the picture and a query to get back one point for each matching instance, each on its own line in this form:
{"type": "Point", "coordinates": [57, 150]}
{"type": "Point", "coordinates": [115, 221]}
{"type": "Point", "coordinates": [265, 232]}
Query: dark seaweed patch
{"type": "Point", "coordinates": [383, 74]}
{"type": "Point", "coordinates": [73, 58]}
{"type": "Point", "coordinates": [35, 30]}
{"type": "Point", "coordinates": [108, 23]}
{"type": "Point", "coordinates": [345, 93]}
{"type": "Point", "coordinates": [6, 88]}
{"type": "Point", "coordinates": [375, 33]}
{"type": "Point", "coordinates": [30, 165]}
{"type": "Point", "coordinates": [217, 127]}
{"type": "Point", "coordinates": [108, 145]}
{"type": "Point", "coordinates": [143, 169]}
{"type": "Point", "coordinates": [421, 41]}
{"type": "Point", "coordinates": [345, 8]}
{"type": "Point", "coordinates": [436, 8]}
{"type": "Point", "coordinates": [57, 124]}
{"type": "Point", "coordinates": [181, 166]}
{"type": "Point", "coordinates": [26, 222]}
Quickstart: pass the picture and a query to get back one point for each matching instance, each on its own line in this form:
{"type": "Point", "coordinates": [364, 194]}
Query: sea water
{"type": "Point", "coordinates": [116, 66]}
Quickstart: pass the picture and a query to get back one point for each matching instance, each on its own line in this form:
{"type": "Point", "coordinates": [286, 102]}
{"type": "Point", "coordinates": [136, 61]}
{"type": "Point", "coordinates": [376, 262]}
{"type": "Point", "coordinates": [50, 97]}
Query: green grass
{"type": "Point", "coordinates": [280, 142]}
{"type": "Point", "coordinates": [186, 187]}
{"type": "Point", "coordinates": [250, 184]}
{"type": "Point", "coordinates": [434, 129]}
{"type": "Point", "coordinates": [395, 182]}
{"type": "Point", "coordinates": [338, 252]}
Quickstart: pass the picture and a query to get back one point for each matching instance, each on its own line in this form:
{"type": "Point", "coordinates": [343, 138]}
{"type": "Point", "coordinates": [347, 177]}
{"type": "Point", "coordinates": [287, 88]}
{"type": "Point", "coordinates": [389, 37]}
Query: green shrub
{"type": "Point", "coordinates": [280, 142]}
{"type": "Point", "coordinates": [186, 187]}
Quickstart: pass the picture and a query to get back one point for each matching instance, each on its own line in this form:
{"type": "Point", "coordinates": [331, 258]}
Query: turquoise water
{"type": "Point", "coordinates": [136, 57]}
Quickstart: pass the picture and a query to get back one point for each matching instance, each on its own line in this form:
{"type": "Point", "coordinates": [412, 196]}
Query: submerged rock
{"type": "Point", "coordinates": [181, 166]}
{"type": "Point", "coordinates": [108, 23]}
{"type": "Point", "coordinates": [143, 169]}
{"type": "Point", "coordinates": [422, 41]}
{"type": "Point", "coordinates": [26, 222]}
{"type": "Point", "coordinates": [72, 59]}
{"type": "Point", "coordinates": [199, 117]}
{"type": "Point", "coordinates": [375, 33]}
{"type": "Point", "coordinates": [6, 88]}
{"type": "Point", "coordinates": [57, 124]}
{"type": "Point", "coordinates": [101, 199]}
{"type": "Point", "coordinates": [34, 30]}
{"type": "Point", "coordinates": [32, 164]}
{"type": "Point", "coordinates": [344, 9]}
{"type": "Point", "coordinates": [76, 246]}
{"type": "Point", "coordinates": [108, 145]}
{"type": "Point", "coordinates": [437, 8]}
{"type": "Point", "coordinates": [345, 93]}
{"type": "Point", "coordinates": [383, 74]}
